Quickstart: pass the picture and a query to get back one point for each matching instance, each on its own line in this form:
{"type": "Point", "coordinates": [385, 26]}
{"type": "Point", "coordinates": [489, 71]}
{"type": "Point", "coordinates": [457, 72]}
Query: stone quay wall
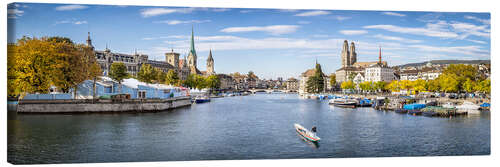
{"type": "Point", "coordinates": [101, 106]}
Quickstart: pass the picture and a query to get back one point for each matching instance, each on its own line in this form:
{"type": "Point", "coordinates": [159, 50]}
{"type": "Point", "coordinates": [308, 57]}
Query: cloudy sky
{"type": "Point", "coordinates": [270, 42]}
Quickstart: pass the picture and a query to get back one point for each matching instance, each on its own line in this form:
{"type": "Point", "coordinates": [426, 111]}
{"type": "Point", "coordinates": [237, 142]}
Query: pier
{"type": "Point", "coordinates": [101, 106]}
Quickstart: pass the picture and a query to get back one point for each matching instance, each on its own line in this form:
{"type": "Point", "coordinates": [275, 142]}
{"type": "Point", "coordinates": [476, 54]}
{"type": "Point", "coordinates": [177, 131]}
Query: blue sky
{"type": "Point", "coordinates": [271, 42]}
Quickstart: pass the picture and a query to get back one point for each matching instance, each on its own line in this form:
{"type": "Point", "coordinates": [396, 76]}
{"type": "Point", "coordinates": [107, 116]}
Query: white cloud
{"type": "Point", "coordinates": [353, 32]}
{"type": "Point", "coordinates": [313, 13]}
{"type": "Point", "coordinates": [274, 30]}
{"type": "Point", "coordinates": [70, 7]}
{"type": "Point", "coordinates": [441, 29]}
{"type": "Point", "coordinates": [393, 38]}
{"type": "Point", "coordinates": [220, 9]}
{"type": "Point", "coordinates": [478, 41]}
{"type": "Point", "coordinates": [467, 29]}
{"type": "Point", "coordinates": [471, 50]}
{"type": "Point", "coordinates": [341, 18]}
{"type": "Point", "coordinates": [394, 14]}
{"type": "Point", "coordinates": [14, 13]}
{"type": "Point", "coordinates": [76, 22]}
{"type": "Point", "coordinates": [484, 21]}
{"type": "Point", "coordinates": [175, 22]}
{"type": "Point", "coordinates": [162, 11]}
{"type": "Point", "coordinates": [432, 30]}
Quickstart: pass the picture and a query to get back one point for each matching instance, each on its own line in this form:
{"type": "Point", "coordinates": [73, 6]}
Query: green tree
{"type": "Point", "coordinates": [380, 86]}
{"type": "Point", "coordinates": [333, 80]}
{"type": "Point", "coordinates": [146, 74]}
{"type": "Point", "coordinates": [161, 77]}
{"type": "Point", "coordinates": [212, 82]}
{"type": "Point", "coordinates": [172, 78]}
{"type": "Point", "coordinates": [118, 72]}
{"type": "Point", "coordinates": [200, 82]}
{"type": "Point", "coordinates": [316, 83]}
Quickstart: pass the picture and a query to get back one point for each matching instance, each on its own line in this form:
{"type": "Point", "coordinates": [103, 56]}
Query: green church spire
{"type": "Point", "coordinates": [192, 50]}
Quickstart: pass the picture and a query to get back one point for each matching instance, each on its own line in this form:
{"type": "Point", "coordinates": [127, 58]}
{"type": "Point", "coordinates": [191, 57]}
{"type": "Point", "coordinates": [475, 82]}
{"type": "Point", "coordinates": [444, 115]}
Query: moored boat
{"type": "Point", "coordinates": [343, 103]}
{"type": "Point", "coordinates": [309, 135]}
{"type": "Point", "coordinates": [415, 112]}
{"type": "Point", "coordinates": [401, 111]}
{"type": "Point", "coordinates": [201, 99]}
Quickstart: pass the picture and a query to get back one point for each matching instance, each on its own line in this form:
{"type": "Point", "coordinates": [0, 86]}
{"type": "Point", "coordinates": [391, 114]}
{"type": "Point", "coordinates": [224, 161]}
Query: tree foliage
{"type": "Point", "coordinates": [35, 64]}
{"type": "Point", "coordinates": [172, 78]}
{"type": "Point", "coordinates": [147, 74]}
{"type": "Point", "coordinates": [316, 83]}
{"type": "Point", "coordinates": [347, 85]}
{"type": "Point", "coordinates": [118, 72]}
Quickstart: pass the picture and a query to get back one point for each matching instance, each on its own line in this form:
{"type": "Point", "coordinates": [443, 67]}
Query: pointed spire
{"type": "Point", "coordinates": [210, 56]}
{"type": "Point", "coordinates": [192, 50]}
{"type": "Point", "coordinates": [89, 41]}
{"type": "Point", "coordinates": [380, 55]}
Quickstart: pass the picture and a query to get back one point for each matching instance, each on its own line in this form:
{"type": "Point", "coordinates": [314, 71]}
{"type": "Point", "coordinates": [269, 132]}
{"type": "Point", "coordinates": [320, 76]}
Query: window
{"type": "Point", "coordinates": [141, 94]}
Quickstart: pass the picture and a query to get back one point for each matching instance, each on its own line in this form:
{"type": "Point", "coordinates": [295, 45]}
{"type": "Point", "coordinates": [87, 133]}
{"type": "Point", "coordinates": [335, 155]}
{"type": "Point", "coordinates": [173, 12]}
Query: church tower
{"type": "Point", "coordinates": [210, 64]}
{"type": "Point", "coordinates": [172, 58]}
{"type": "Point", "coordinates": [89, 41]}
{"type": "Point", "coordinates": [192, 56]}
{"type": "Point", "coordinates": [352, 54]}
{"type": "Point", "coordinates": [346, 60]}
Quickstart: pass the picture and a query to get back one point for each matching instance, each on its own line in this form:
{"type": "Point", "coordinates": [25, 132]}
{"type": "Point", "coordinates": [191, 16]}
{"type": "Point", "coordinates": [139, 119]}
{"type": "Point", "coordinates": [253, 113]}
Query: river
{"type": "Point", "coordinates": [242, 127]}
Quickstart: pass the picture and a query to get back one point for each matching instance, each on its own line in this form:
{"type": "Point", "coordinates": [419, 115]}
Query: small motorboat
{"type": "Point", "coordinates": [449, 105]}
{"type": "Point", "coordinates": [202, 99]}
{"type": "Point", "coordinates": [468, 106]}
{"type": "Point", "coordinates": [343, 103]}
{"type": "Point", "coordinates": [401, 111]}
{"type": "Point", "coordinates": [414, 112]}
{"type": "Point", "coordinates": [429, 113]}
{"type": "Point", "coordinates": [309, 135]}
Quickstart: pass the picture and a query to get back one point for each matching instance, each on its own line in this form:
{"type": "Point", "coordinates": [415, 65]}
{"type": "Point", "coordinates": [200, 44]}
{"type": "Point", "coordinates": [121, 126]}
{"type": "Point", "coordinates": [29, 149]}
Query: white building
{"type": "Point", "coordinates": [359, 78]}
{"type": "Point", "coordinates": [379, 72]}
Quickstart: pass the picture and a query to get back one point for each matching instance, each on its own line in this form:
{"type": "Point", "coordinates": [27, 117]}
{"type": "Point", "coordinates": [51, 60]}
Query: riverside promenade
{"type": "Point", "coordinates": [101, 106]}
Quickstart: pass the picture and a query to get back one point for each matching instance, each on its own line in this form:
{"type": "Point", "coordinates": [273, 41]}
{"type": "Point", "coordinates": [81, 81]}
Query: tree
{"type": "Point", "coordinates": [212, 82]}
{"type": "Point", "coordinates": [146, 74]}
{"type": "Point", "coordinates": [161, 77]}
{"type": "Point", "coordinates": [380, 86]}
{"type": "Point", "coordinates": [347, 85]}
{"type": "Point", "coordinates": [394, 86]}
{"type": "Point", "coordinates": [448, 83]}
{"type": "Point", "coordinates": [419, 85]}
{"type": "Point", "coordinates": [316, 83]}
{"type": "Point", "coordinates": [36, 64]}
{"type": "Point", "coordinates": [200, 82]}
{"type": "Point", "coordinates": [365, 86]}
{"type": "Point", "coordinates": [484, 86]}
{"type": "Point", "coordinates": [469, 85]}
{"type": "Point", "coordinates": [252, 75]}
{"type": "Point", "coordinates": [433, 85]}
{"type": "Point", "coordinates": [333, 80]}
{"type": "Point", "coordinates": [118, 72]}
{"type": "Point", "coordinates": [171, 78]}
{"type": "Point", "coordinates": [32, 68]}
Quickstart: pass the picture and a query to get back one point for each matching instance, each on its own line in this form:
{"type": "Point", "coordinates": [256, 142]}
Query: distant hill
{"type": "Point", "coordinates": [447, 62]}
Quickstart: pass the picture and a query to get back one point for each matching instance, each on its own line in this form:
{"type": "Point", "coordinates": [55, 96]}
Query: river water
{"type": "Point", "coordinates": [243, 127]}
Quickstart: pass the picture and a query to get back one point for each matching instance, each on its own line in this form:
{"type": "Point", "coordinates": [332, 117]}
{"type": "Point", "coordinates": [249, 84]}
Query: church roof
{"type": "Point", "coordinates": [210, 56]}
{"type": "Point", "coordinates": [192, 49]}
{"type": "Point", "coordinates": [366, 64]}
